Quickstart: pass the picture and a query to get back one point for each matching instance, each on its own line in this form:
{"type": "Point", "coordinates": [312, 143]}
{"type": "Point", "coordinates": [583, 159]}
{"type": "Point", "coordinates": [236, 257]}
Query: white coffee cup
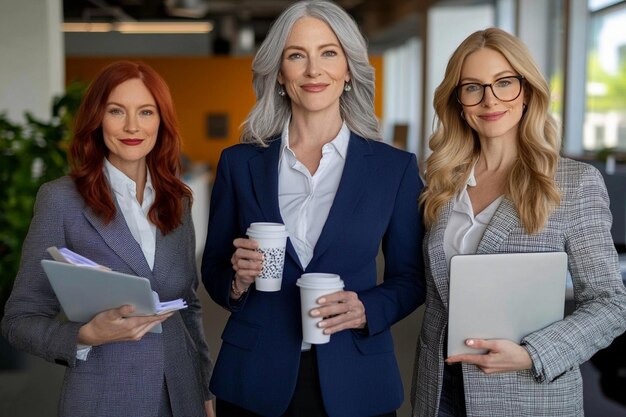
{"type": "Point", "coordinates": [272, 239]}
{"type": "Point", "coordinates": [313, 286]}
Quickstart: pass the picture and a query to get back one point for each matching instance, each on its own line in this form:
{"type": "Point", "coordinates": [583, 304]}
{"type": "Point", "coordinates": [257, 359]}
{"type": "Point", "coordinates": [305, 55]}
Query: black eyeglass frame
{"type": "Point", "coordinates": [520, 78]}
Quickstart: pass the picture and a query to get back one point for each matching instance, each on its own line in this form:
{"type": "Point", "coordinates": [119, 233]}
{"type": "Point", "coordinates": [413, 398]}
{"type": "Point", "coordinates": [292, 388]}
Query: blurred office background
{"type": "Point", "coordinates": [204, 50]}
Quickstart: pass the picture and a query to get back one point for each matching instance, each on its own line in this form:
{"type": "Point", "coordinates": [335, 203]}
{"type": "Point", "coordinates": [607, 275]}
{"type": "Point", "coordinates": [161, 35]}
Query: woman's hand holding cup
{"type": "Point", "coordinates": [326, 308]}
{"type": "Point", "coordinates": [341, 310]}
{"type": "Point", "coordinates": [247, 262]}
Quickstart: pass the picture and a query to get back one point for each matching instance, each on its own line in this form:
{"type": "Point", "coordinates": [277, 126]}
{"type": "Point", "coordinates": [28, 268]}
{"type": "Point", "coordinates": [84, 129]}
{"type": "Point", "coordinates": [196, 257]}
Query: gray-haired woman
{"type": "Point", "coordinates": [311, 159]}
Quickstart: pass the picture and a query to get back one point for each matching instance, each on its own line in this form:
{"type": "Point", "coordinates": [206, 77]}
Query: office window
{"type": "Point", "coordinates": [621, 135]}
{"type": "Point", "coordinates": [605, 116]}
{"type": "Point", "coordinates": [599, 139]}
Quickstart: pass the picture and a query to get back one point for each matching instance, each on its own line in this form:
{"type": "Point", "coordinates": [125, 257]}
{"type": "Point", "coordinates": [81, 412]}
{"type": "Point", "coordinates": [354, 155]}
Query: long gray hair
{"type": "Point", "coordinates": [271, 111]}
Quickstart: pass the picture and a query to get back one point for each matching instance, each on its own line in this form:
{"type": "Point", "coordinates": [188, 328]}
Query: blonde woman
{"type": "Point", "coordinates": [495, 184]}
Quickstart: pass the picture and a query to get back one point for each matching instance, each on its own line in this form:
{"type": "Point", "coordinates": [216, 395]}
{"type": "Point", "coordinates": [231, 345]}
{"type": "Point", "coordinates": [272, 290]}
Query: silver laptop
{"type": "Point", "coordinates": [504, 296]}
{"type": "Point", "coordinates": [84, 291]}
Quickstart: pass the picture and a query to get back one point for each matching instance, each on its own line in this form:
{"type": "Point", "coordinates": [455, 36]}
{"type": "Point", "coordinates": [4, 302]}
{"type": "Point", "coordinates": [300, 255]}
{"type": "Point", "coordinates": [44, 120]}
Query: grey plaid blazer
{"type": "Point", "coordinates": [581, 227]}
{"type": "Point", "coordinates": [117, 379]}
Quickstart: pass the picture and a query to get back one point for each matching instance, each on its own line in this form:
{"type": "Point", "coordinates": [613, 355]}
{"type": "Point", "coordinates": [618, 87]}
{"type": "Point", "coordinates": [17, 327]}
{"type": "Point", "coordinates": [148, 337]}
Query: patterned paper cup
{"type": "Point", "coordinates": [272, 239]}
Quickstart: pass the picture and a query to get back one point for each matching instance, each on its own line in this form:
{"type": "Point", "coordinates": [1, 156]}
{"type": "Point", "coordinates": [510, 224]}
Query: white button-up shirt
{"type": "Point", "coordinates": [464, 230]}
{"type": "Point", "coordinates": [135, 214]}
{"type": "Point", "coordinates": [304, 199]}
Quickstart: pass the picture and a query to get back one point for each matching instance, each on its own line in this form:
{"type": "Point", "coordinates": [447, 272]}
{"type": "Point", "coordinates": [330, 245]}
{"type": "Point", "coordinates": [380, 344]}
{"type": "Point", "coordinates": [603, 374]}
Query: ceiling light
{"type": "Point", "coordinates": [87, 27]}
{"type": "Point", "coordinates": [164, 27]}
{"type": "Point", "coordinates": [140, 27]}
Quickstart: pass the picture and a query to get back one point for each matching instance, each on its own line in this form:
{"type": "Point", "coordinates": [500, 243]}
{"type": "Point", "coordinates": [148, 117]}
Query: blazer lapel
{"type": "Point", "coordinates": [352, 185]}
{"type": "Point", "coordinates": [503, 221]}
{"type": "Point", "coordinates": [439, 267]}
{"type": "Point", "coordinates": [165, 254]}
{"type": "Point", "coordinates": [119, 239]}
{"type": "Point", "coordinates": [501, 224]}
{"type": "Point", "coordinates": [264, 174]}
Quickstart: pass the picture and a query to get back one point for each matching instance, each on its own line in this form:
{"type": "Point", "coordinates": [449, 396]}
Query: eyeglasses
{"type": "Point", "coordinates": [504, 89]}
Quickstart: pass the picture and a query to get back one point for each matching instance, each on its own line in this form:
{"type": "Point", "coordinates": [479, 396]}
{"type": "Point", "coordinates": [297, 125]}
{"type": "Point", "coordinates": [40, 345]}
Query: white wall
{"type": "Point", "coordinates": [533, 30]}
{"type": "Point", "coordinates": [31, 65]}
{"type": "Point", "coordinates": [447, 28]}
{"type": "Point", "coordinates": [402, 90]}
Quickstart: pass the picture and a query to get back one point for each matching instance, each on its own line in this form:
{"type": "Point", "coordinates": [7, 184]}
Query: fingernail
{"type": "Point", "coordinates": [315, 313]}
{"type": "Point", "coordinates": [469, 342]}
{"type": "Point", "coordinates": [321, 300]}
{"type": "Point", "coordinates": [321, 324]}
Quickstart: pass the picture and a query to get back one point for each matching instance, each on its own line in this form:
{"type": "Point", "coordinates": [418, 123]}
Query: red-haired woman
{"type": "Point", "coordinates": [122, 206]}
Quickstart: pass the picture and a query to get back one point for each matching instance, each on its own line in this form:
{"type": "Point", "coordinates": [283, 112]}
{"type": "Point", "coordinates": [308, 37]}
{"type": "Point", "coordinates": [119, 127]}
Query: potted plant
{"type": "Point", "coordinates": [31, 153]}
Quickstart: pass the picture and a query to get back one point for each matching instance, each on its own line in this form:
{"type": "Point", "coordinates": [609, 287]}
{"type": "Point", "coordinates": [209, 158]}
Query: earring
{"type": "Point", "coordinates": [281, 91]}
{"type": "Point", "coordinates": [524, 107]}
{"type": "Point", "coordinates": [347, 87]}
{"type": "Point", "coordinates": [462, 115]}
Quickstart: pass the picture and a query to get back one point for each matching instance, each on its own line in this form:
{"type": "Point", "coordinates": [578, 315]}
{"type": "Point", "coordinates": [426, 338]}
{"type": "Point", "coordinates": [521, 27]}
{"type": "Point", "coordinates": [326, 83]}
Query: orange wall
{"type": "Point", "coordinates": [202, 85]}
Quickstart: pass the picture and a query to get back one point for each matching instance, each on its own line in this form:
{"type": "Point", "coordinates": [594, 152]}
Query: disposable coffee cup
{"type": "Point", "coordinates": [313, 286]}
{"type": "Point", "coordinates": [272, 239]}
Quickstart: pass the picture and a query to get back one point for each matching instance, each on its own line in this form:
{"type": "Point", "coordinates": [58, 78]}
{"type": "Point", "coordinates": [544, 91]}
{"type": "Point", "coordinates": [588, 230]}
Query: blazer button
{"type": "Point", "coordinates": [61, 362]}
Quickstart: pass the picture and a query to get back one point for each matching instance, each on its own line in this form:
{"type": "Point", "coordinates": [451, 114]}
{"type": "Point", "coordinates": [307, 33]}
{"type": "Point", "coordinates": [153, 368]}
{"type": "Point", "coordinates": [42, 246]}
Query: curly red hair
{"type": "Point", "coordinates": [87, 149]}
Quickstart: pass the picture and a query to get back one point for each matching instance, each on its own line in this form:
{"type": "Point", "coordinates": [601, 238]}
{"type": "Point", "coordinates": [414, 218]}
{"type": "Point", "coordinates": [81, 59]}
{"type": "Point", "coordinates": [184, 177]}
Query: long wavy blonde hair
{"type": "Point", "coordinates": [455, 146]}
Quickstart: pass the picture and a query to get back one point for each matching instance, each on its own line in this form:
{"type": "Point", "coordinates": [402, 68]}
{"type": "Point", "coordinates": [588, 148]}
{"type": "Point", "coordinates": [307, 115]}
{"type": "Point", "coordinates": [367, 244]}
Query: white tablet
{"type": "Point", "coordinates": [504, 296]}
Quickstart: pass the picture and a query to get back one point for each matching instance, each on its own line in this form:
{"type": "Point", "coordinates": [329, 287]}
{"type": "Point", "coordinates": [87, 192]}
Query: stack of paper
{"type": "Point", "coordinates": [69, 257]}
{"type": "Point", "coordinates": [163, 307]}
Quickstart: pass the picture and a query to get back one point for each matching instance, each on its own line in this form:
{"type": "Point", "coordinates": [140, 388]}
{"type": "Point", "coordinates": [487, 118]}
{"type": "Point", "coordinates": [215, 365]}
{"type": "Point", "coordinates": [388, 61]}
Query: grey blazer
{"type": "Point", "coordinates": [581, 227]}
{"type": "Point", "coordinates": [123, 378]}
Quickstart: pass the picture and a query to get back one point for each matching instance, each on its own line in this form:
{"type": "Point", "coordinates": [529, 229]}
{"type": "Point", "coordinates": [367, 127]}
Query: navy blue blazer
{"type": "Point", "coordinates": [376, 204]}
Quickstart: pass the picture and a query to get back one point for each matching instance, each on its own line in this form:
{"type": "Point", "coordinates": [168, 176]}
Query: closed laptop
{"type": "Point", "coordinates": [504, 296]}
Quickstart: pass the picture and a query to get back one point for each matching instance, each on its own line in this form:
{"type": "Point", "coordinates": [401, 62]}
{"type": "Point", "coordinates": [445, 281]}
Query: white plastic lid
{"type": "Point", "coordinates": [266, 229]}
